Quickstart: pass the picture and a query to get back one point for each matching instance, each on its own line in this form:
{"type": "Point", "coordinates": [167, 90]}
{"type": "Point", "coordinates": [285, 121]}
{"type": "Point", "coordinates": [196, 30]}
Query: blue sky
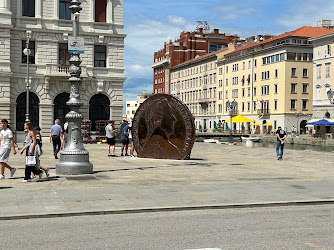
{"type": "Point", "coordinates": [148, 24]}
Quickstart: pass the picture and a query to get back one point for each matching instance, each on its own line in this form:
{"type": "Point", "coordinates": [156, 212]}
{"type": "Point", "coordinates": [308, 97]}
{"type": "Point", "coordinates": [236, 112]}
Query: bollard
{"type": "Point", "coordinates": [249, 143]}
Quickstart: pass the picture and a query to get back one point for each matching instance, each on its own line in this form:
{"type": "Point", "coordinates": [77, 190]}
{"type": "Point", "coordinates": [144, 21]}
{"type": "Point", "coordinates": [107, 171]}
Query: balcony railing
{"type": "Point", "coordinates": [263, 112]}
{"type": "Point", "coordinates": [62, 70]}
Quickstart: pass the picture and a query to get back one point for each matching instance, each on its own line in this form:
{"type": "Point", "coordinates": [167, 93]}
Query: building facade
{"type": "Point", "coordinates": [195, 83]}
{"type": "Point", "coordinates": [271, 80]}
{"type": "Point", "coordinates": [186, 47]}
{"type": "Point", "coordinates": [50, 25]}
{"type": "Point", "coordinates": [132, 105]}
{"type": "Point", "coordinates": [323, 80]}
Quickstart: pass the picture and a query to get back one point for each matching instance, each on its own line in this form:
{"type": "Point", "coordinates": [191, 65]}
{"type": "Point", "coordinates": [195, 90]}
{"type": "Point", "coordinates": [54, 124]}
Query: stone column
{"type": "Point", "coordinates": [109, 11]}
{"type": "Point", "coordinates": [5, 13]}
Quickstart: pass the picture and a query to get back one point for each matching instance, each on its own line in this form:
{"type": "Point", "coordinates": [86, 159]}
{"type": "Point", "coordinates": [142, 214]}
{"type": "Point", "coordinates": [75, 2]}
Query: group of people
{"type": "Point", "coordinates": [126, 138]}
{"type": "Point", "coordinates": [32, 148]}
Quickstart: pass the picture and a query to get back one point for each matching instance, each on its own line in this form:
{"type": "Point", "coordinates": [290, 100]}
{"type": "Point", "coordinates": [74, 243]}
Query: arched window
{"type": "Point", "coordinates": [60, 108]}
{"type": "Point", "coordinates": [21, 110]}
{"type": "Point", "coordinates": [99, 108]}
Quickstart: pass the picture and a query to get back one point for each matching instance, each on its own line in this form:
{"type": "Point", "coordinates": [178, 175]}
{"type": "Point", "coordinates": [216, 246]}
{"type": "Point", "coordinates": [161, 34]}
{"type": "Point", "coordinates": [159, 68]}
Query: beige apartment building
{"type": "Point", "coordinates": [270, 79]}
{"type": "Point", "coordinates": [323, 80]}
{"type": "Point", "coordinates": [133, 105]}
{"type": "Point", "coordinates": [194, 82]}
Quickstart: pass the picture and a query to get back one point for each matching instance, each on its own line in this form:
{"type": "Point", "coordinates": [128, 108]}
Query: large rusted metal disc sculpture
{"type": "Point", "coordinates": [163, 128]}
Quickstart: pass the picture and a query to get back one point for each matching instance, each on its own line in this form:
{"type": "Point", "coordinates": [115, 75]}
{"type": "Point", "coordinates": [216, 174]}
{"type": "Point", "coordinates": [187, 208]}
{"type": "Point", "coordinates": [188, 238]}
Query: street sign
{"type": "Point", "coordinates": [76, 44]}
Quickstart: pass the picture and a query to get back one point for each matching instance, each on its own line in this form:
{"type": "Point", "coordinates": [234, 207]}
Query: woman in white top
{"type": "Point", "coordinates": [6, 138]}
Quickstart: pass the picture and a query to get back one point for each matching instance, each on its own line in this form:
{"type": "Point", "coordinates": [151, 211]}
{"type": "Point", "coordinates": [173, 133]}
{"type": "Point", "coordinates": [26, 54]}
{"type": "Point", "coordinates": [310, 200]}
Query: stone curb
{"type": "Point", "coordinates": [167, 209]}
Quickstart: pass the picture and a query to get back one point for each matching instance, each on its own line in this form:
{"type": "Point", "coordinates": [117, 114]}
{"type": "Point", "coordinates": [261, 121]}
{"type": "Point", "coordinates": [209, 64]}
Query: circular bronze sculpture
{"type": "Point", "coordinates": [163, 128]}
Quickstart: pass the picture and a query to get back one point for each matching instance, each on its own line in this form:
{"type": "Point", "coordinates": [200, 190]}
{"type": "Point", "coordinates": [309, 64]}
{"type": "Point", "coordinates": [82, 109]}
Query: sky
{"type": "Point", "coordinates": [150, 23]}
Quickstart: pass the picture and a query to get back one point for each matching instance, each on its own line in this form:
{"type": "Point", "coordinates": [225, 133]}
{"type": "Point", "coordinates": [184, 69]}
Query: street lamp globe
{"type": "Point", "coordinates": [26, 51]}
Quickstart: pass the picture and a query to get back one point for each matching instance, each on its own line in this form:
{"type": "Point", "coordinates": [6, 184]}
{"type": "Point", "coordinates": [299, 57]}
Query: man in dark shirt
{"type": "Point", "coordinates": [281, 135]}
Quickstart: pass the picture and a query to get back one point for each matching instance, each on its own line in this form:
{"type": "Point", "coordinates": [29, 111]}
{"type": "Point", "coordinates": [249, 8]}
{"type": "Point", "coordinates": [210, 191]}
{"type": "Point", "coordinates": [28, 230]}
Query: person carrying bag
{"type": "Point", "coordinates": [31, 156]}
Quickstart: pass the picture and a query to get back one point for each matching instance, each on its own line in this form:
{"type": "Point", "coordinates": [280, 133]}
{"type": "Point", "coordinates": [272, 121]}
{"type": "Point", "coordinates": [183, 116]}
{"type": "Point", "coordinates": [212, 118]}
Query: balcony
{"type": "Point", "coordinates": [263, 112]}
{"type": "Point", "coordinates": [160, 63]}
{"type": "Point", "coordinates": [62, 70]}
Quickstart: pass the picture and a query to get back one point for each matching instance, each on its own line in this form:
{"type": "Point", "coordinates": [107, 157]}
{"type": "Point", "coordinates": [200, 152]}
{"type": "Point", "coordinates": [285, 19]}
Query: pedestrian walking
{"type": "Point", "coordinates": [293, 131]}
{"type": "Point", "coordinates": [125, 137]}
{"type": "Point", "coordinates": [56, 133]}
{"type": "Point", "coordinates": [130, 140]}
{"type": "Point", "coordinates": [39, 143]}
{"type": "Point", "coordinates": [110, 134]}
{"type": "Point", "coordinates": [281, 135]}
{"type": "Point", "coordinates": [30, 147]}
{"type": "Point", "coordinates": [6, 139]}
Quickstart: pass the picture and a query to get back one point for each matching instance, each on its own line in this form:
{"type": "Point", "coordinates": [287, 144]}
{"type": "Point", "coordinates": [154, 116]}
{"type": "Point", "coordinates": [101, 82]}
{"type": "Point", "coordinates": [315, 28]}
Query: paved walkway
{"type": "Point", "coordinates": [217, 175]}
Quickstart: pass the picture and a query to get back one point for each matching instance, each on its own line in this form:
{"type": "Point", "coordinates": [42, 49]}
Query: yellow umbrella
{"type": "Point", "coordinates": [268, 124]}
{"type": "Point", "coordinates": [256, 124]}
{"type": "Point", "coordinates": [239, 118]}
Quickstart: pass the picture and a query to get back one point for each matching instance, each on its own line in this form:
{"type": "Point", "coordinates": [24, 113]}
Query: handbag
{"type": "Point", "coordinates": [30, 160]}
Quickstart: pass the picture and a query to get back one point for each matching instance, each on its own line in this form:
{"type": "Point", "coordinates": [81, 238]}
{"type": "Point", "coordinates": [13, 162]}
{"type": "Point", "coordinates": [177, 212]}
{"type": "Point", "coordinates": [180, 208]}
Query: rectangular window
{"type": "Point", "coordinates": [293, 88]}
{"type": "Point", "coordinates": [243, 92]}
{"type": "Point", "coordinates": [248, 92]}
{"type": "Point", "coordinates": [100, 55]}
{"type": "Point", "coordinates": [28, 8]}
{"type": "Point", "coordinates": [220, 71]}
{"type": "Point", "coordinates": [276, 73]}
{"type": "Point", "coordinates": [265, 90]}
{"type": "Point", "coordinates": [234, 93]}
{"type": "Point", "coordinates": [293, 104]}
{"type": "Point", "coordinates": [64, 56]}
{"type": "Point", "coordinates": [100, 11]}
{"type": "Point", "coordinates": [249, 64]}
{"type": "Point", "coordinates": [293, 72]}
{"type": "Point", "coordinates": [255, 63]}
{"type": "Point", "coordinates": [328, 66]}
{"type": "Point", "coordinates": [226, 82]}
{"type": "Point", "coordinates": [304, 104]}
{"type": "Point", "coordinates": [248, 106]}
{"type": "Point", "coordinates": [305, 73]}
{"type": "Point", "coordinates": [254, 91]}
{"type": "Point", "coordinates": [220, 95]}
{"type": "Point", "coordinates": [226, 94]}
{"type": "Point", "coordinates": [254, 77]}
{"type": "Point", "coordinates": [226, 69]}
{"type": "Point", "coordinates": [32, 52]}
{"type": "Point", "coordinates": [243, 65]}
{"type": "Point", "coordinates": [319, 71]}
{"type": "Point", "coordinates": [64, 10]}
{"type": "Point", "coordinates": [275, 104]}
{"type": "Point", "coordinates": [275, 88]}
{"type": "Point", "coordinates": [305, 88]}
{"type": "Point", "coordinates": [220, 108]}
{"type": "Point", "coordinates": [242, 106]}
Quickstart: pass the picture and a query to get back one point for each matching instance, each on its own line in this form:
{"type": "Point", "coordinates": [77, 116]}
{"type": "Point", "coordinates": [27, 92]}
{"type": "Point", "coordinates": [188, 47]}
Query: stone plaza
{"type": "Point", "coordinates": [217, 175]}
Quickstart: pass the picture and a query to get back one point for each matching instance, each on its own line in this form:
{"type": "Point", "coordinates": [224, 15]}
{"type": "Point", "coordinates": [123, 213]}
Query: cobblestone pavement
{"type": "Point", "coordinates": [216, 175]}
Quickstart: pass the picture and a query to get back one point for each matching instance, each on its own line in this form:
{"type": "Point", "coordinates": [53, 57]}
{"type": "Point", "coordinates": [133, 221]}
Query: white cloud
{"type": "Point", "coordinates": [306, 13]}
{"type": "Point", "coordinates": [233, 12]}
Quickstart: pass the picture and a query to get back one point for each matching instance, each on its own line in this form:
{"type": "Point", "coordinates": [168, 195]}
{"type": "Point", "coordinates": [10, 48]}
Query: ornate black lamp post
{"type": "Point", "coordinates": [74, 159]}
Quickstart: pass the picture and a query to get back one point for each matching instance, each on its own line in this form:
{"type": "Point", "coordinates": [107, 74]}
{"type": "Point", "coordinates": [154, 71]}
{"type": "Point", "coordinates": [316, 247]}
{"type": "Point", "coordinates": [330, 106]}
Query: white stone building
{"type": "Point", "coordinates": [323, 80]}
{"type": "Point", "coordinates": [101, 25]}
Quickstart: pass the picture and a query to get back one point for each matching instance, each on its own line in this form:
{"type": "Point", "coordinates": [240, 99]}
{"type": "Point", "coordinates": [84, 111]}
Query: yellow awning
{"type": "Point", "coordinates": [268, 124]}
{"type": "Point", "coordinates": [256, 124]}
{"type": "Point", "coordinates": [239, 118]}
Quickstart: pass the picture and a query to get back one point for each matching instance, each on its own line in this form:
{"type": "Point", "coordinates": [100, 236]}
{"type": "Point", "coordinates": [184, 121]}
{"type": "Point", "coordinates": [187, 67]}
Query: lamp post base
{"type": "Point", "coordinates": [74, 164]}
